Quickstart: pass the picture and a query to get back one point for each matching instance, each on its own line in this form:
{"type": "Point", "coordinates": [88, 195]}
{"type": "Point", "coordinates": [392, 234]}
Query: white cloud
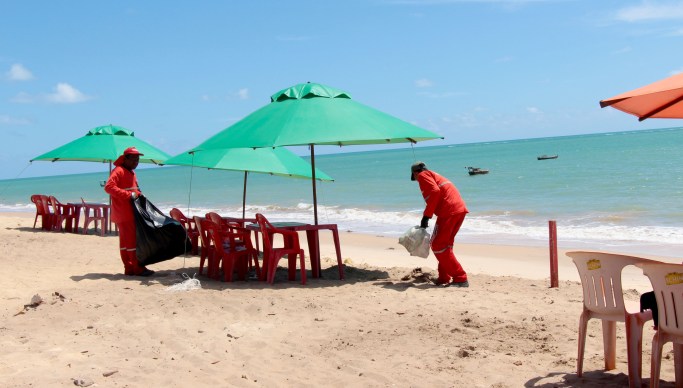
{"type": "Point", "coordinates": [423, 83]}
{"type": "Point", "coordinates": [63, 94]}
{"type": "Point", "coordinates": [66, 94]}
{"type": "Point", "coordinates": [19, 73]}
{"type": "Point", "coordinates": [650, 10]}
{"type": "Point", "coordinates": [243, 94]}
{"type": "Point", "coordinates": [533, 110]}
{"type": "Point", "coordinates": [677, 71]}
{"type": "Point", "coordinates": [9, 120]}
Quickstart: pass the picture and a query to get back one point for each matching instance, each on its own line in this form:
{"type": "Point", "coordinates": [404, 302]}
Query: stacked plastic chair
{"type": "Point", "coordinates": [603, 299]}
{"type": "Point", "coordinates": [272, 254]}
{"type": "Point", "coordinates": [667, 282]}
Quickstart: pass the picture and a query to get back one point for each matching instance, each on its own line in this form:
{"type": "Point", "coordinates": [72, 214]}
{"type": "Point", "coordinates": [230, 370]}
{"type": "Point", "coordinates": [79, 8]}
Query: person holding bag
{"type": "Point", "coordinates": [123, 187]}
{"type": "Point", "coordinates": [443, 200]}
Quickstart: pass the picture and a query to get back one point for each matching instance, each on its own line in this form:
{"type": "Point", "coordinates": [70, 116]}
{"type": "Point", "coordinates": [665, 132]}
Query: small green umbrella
{"type": "Point", "coordinates": [104, 144]}
{"type": "Point", "coordinates": [274, 161]}
{"type": "Point", "coordinates": [310, 114]}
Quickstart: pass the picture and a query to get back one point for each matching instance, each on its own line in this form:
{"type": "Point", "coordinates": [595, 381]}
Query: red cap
{"type": "Point", "coordinates": [132, 151]}
{"type": "Point", "coordinates": [127, 151]}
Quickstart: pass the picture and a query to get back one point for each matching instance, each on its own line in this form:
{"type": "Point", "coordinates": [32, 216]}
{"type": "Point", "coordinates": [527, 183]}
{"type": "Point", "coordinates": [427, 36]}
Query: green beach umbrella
{"type": "Point", "coordinates": [104, 144]}
{"type": "Point", "coordinates": [274, 161]}
{"type": "Point", "coordinates": [314, 114]}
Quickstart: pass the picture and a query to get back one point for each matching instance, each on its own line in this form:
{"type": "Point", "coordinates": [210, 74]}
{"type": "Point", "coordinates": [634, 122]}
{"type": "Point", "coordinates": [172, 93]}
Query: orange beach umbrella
{"type": "Point", "coordinates": [662, 99]}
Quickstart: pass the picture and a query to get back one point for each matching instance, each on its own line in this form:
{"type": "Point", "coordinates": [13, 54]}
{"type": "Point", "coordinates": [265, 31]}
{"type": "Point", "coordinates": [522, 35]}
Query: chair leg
{"type": "Point", "coordinates": [583, 326]}
{"type": "Point", "coordinates": [678, 364]}
{"type": "Point", "coordinates": [303, 267]}
{"type": "Point", "coordinates": [656, 362]}
{"type": "Point", "coordinates": [202, 258]}
{"type": "Point", "coordinates": [634, 346]}
{"type": "Point", "coordinates": [228, 267]}
{"type": "Point", "coordinates": [609, 339]}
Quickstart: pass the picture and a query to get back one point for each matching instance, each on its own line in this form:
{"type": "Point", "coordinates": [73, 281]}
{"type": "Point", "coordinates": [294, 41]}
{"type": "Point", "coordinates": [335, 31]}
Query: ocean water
{"type": "Point", "coordinates": [616, 191]}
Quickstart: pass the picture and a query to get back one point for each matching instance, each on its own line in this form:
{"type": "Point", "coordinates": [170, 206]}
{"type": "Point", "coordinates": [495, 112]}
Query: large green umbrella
{"type": "Point", "coordinates": [310, 114]}
{"type": "Point", "coordinates": [274, 161]}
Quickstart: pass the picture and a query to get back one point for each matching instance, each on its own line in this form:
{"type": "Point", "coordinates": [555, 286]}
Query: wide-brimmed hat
{"type": "Point", "coordinates": [416, 167]}
{"type": "Point", "coordinates": [127, 151]}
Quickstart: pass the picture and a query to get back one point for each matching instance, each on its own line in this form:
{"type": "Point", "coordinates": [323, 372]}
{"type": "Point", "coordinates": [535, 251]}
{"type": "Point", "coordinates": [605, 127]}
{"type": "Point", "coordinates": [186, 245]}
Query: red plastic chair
{"type": "Point", "coordinates": [208, 252]}
{"type": "Point", "coordinates": [63, 214]}
{"type": "Point", "coordinates": [271, 254]}
{"type": "Point", "coordinates": [242, 236]}
{"type": "Point", "coordinates": [94, 213]}
{"type": "Point", "coordinates": [231, 250]}
{"type": "Point", "coordinates": [190, 228]}
{"type": "Point", "coordinates": [42, 211]}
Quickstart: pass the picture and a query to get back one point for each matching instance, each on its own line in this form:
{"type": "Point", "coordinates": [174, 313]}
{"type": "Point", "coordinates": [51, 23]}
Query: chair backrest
{"type": "Point", "coordinates": [177, 215]}
{"type": "Point", "coordinates": [41, 205]}
{"type": "Point", "coordinates": [203, 232]}
{"type": "Point", "coordinates": [213, 232]}
{"type": "Point", "coordinates": [49, 208]}
{"type": "Point", "coordinates": [215, 217]}
{"type": "Point", "coordinates": [667, 283]}
{"type": "Point", "coordinates": [264, 225]}
{"type": "Point", "coordinates": [601, 281]}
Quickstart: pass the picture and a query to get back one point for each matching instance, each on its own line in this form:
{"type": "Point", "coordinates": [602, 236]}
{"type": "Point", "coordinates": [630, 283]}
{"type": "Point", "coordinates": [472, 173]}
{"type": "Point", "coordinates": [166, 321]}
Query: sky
{"type": "Point", "coordinates": [176, 72]}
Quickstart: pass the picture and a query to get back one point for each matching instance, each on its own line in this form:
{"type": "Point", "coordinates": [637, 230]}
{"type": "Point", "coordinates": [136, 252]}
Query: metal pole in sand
{"type": "Point", "coordinates": [552, 231]}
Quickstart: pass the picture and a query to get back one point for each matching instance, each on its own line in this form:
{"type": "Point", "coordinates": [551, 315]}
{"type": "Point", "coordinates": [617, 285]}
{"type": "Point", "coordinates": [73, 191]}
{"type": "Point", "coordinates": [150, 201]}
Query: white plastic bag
{"type": "Point", "coordinates": [416, 240]}
{"type": "Point", "coordinates": [190, 283]}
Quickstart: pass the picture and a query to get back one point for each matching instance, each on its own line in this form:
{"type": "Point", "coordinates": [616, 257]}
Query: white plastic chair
{"type": "Point", "coordinates": [603, 299]}
{"type": "Point", "coordinates": [667, 282]}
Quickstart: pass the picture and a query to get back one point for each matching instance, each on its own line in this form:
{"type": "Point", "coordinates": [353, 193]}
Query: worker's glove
{"type": "Point", "coordinates": [133, 195]}
{"type": "Point", "coordinates": [424, 223]}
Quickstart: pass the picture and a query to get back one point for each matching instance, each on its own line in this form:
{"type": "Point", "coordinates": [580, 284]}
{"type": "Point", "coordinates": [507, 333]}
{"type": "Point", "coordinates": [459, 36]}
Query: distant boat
{"type": "Point", "coordinates": [476, 171]}
{"type": "Point", "coordinates": [544, 157]}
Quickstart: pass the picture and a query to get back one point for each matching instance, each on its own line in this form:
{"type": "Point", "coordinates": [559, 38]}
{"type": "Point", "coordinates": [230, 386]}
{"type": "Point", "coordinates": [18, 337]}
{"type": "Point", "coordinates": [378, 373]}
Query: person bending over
{"type": "Point", "coordinates": [443, 200]}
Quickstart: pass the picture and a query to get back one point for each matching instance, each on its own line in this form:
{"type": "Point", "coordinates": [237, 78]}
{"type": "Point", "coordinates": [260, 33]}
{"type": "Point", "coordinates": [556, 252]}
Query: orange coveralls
{"type": "Point", "coordinates": [443, 200]}
{"type": "Point", "coordinates": [122, 182]}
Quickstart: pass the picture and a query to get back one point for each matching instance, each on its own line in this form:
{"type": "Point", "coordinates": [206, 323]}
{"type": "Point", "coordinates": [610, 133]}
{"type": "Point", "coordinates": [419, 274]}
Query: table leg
{"type": "Point", "coordinates": [314, 252]}
{"type": "Point", "coordinates": [337, 247]}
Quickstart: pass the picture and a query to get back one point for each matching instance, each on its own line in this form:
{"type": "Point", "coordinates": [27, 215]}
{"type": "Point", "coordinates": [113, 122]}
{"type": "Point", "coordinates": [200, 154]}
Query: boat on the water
{"type": "Point", "coordinates": [476, 171]}
{"type": "Point", "coordinates": [544, 157]}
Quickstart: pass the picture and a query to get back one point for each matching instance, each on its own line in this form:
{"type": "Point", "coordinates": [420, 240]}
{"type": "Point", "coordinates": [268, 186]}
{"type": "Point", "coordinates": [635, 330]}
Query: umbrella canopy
{"type": "Point", "coordinates": [661, 99]}
{"type": "Point", "coordinates": [104, 144]}
{"type": "Point", "coordinates": [274, 161]}
{"type": "Point", "coordinates": [314, 114]}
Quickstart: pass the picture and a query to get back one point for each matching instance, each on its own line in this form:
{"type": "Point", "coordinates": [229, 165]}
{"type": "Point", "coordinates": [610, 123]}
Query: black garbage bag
{"type": "Point", "coordinates": [159, 238]}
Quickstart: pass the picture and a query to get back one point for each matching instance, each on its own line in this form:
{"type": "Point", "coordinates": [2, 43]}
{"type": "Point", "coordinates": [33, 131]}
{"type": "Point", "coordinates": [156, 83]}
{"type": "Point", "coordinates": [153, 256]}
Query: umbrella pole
{"type": "Point", "coordinates": [315, 195]}
{"type": "Point", "coordinates": [109, 218]}
{"type": "Point", "coordinates": [244, 195]}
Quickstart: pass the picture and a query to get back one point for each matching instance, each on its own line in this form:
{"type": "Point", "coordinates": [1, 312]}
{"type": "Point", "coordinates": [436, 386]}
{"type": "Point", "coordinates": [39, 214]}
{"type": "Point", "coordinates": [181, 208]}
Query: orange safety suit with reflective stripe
{"type": "Point", "coordinates": [122, 182]}
{"type": "Point", "coordinates": [443, 200]}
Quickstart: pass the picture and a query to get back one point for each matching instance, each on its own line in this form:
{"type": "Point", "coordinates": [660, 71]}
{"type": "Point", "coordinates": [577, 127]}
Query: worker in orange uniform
{"type": "Point", "coordinates": [444, 201]}
{"type": "Point", "coordinates": [123, 188]}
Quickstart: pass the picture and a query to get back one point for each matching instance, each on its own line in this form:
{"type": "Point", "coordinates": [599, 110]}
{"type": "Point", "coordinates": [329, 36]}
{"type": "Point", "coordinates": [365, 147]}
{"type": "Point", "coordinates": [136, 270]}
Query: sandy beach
{"type": "Point", "coordinates": [382, 326]}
